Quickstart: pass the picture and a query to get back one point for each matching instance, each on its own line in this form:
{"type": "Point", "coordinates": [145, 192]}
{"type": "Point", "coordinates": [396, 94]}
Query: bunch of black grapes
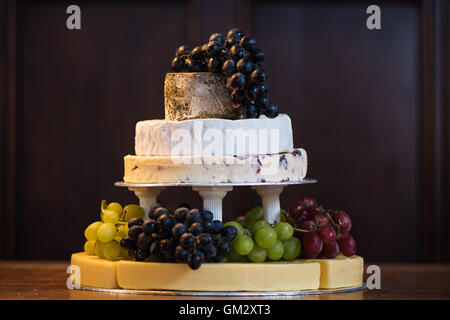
{"type": "Point", "coordinates": [179, 235]}
{"type": "Point", "coordinates": [237, 58]}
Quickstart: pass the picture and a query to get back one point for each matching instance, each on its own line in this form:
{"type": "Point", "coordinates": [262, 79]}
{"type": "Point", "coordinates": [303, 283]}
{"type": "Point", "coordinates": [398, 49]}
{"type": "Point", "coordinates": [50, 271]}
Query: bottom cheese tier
{"type": "Point", "coordinates": [268, 276]}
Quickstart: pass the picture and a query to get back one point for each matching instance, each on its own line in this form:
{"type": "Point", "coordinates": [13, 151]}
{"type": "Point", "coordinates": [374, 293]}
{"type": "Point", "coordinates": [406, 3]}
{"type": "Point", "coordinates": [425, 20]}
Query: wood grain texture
{"type": "Point", "coordinates": [47, 280]}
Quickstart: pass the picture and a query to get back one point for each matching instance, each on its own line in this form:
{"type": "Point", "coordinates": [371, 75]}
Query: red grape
{"type": "Point", "coordinates": [347, 245]}
{"type": "Point", "coordinates": [296, 209]}
{"type": "Point", "coordinates": [305, 225]}
{"type": "Point", "coordinates": [343, 220]}
{"type": "Point", "coordinates": [320, 219]}
{"type": "Point", "coordinates": [311, 209]}
{"type": "Point", "coordinates": [309, 202]}
{"type": "Point", "coordinates": [330, 251]}
{"type": "Point", "coordinates": [312, 244]}
{"type": "Point", "coordinates": [327, 234]}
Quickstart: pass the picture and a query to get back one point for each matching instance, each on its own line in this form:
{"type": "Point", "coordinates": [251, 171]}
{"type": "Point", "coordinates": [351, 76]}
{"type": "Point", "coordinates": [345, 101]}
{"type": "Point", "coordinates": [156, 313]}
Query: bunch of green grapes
{"type": "Point", "coordinates": [258, 241]}
{"type": "Point", "coordinates": [103, 237]}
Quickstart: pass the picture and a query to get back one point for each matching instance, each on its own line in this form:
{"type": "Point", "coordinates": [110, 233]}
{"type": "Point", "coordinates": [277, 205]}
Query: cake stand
{"type": "Point", "coordinates": [228, 294]}
{"type": "Point", "coordinates": [213, 194]}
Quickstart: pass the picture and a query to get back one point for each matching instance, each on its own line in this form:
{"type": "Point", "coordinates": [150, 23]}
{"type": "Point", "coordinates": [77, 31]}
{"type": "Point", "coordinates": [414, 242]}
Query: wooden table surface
{"type": "Point", "coordinates": [47, 280]}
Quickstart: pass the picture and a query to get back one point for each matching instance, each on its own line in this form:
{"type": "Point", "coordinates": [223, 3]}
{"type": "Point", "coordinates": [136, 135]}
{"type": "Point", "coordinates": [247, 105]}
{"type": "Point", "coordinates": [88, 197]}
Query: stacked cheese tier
{"type": "Point", "coordinates": [297, 275]}
{"type": "Point", "coordinates": [211, 150]}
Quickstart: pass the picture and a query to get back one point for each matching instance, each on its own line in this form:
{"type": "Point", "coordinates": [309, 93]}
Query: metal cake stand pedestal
{"type": "Point", "coordinates": [229, 294]}
{"type": "Point", "coordinates": [213, 194]}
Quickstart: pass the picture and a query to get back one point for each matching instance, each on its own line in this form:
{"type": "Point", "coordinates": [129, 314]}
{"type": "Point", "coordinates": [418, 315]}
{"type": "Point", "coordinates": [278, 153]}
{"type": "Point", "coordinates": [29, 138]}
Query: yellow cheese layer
{"type": "Point", "coordinates": [340, 272]}
{"type": "Point", "coordinates": [271, 276]}
{"type": "Point", "coordinates": [312, 274]}
{"type": "Point", "coordinates": [96, 272]}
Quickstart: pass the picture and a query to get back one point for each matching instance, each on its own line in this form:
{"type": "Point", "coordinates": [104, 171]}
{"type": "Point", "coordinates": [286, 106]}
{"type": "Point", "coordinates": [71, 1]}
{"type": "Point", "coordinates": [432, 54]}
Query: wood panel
{"type": "Point", "coordinates": [363, 103]}
{"type": "Point", "coordinates": [78, 112]}
{"type": "Point", "coordinates": [354, 98]}
{"type": "Point", "coordinates": [446, 137]}
{"type": "Point", "coordinates": [8, 218]}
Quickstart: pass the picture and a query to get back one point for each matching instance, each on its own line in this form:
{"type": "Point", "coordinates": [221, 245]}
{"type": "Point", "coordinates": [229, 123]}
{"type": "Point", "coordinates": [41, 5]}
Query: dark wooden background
{"type": "Point", "coordinates": [370, 107]}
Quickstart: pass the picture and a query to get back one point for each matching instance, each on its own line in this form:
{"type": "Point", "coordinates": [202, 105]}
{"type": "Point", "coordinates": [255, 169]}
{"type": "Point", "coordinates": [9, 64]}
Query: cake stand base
{"type": "Point", "coordinates": [226, 293]}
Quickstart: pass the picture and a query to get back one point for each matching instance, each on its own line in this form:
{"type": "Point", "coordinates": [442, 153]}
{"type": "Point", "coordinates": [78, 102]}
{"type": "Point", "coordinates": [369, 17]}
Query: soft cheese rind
{"type": "Point", "coordinates": [216, 169]}
{"type": "Point", "coordinates": [217, 136]}
{"type": "Point", "coordinates": [302, 274]}
{"type": "Point", "coordinates": [197, 95]}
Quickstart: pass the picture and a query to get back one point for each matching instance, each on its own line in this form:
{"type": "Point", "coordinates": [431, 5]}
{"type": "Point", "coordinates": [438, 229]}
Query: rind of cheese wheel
{"type": "Point", "coordinates": [281, 167]}
{"type": "Point", "coordinates": [214, 136]}
{"type": "Point", "coordinates": [197, 95]}
{"type": "Point", "coordinates": [268, 276]}
{"type": "Point", "coordinates": [340, 272]}
{"type": "Point", "coordinates": [309, 274]}
{"type": "Point", "coordinates": [96, 272]}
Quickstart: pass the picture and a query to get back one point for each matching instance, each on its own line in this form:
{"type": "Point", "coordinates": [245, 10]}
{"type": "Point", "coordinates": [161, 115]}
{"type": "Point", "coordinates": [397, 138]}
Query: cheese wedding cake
{"type": "Point", "coordinates": [192, 145]}
{"type": "Point", "coordinates": [220, 127]}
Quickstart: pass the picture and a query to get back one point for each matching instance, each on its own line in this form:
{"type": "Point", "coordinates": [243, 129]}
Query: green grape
{"type": "Point", "coordinates": [117, 239]}
{"type": "Point", "coordinates": [258, 254]}
{"type": "Point", "coordinates": [284, 231]}
{"type": "Point", "coordinates": [245, 232]}
{"type": "Point", "coordinates": [90, 233]}
{"type": "Point", "coordinates": [89, 247]}
{"type": "Point", "coordinates": [106, 232]}
{"type": "Point", "coordinates": [111, 250]}
{"type": "Point", "coordinates": [258, 225]}
{"type": "Point", "coordinates": [233, 256]}
{"type": "Point", "coordinates": [255, 214]}
{"type": "Point", "coordinates": [241, 222]}
{"type": "Point", "coordinates": [124, 254]}
{"type": "Point", "coordinates": [99, 249]}
{"type": "Point", "coordinates": [249, 224]}
{"type": "Point", "coordinates": [116, 207]}
{"type": "Point", "coordinates": [235, 224]}
{"type": "Point", "coordinates": [243, 245]}
{"type": "Point", "coordinates": [276, 251]}
{"type": "Point", "coordinates": [133, 211]}
{"type": "Point", "coordinates": [285, 217]}
{"type": "Point", "coordinates": [266, 237]}
{"type": "Point", "coordinates": [122, 230]}
{"type": "Point", "coordinates": [292, 249]}
{"type": "Point", "coordinates": [103, 206]}
{"type": "Point", "coordinates": [110, 216]}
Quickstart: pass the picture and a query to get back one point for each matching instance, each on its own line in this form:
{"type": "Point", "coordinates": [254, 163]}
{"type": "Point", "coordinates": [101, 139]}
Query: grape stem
{"type": "Point", "coordinates": [322, 210]}
{"type": "Point", "coordinates": [301, 230]}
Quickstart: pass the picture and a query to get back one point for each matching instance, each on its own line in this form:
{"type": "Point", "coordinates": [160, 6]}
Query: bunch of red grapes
{"type": "Point", "coordinates": [324, 234]}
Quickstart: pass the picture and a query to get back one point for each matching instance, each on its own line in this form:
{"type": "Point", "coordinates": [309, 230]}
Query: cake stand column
{"type": "Point", "coordinates": [270, 196]}
{"type": "Point", "coordinates": [212, 199]}
{"type": "Point", "coordinates": [147, 196]}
